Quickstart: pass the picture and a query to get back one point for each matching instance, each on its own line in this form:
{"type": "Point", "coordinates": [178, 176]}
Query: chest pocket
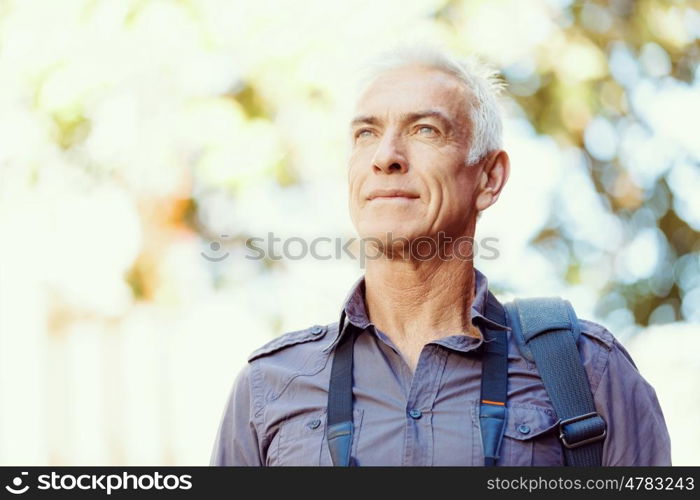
{"type": "Point", "coordinates": [531, 438]}
{"type": "Point", "coordinates": [301, 440]}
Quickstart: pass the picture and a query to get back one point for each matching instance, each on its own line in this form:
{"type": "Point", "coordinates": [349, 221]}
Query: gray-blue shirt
{"type": "Point", "coordinates": [275, 414]}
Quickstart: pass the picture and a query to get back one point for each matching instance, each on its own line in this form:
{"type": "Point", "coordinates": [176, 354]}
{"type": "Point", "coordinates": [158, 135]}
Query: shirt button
{"type": "Point", "coordinates": [314, 423]}
{"type": "Point", "coordinates": [523, 429]}
{"type": "Point", "coordinates": [316, 330]}
{"type": "Point", "coordinates": [415, 414]}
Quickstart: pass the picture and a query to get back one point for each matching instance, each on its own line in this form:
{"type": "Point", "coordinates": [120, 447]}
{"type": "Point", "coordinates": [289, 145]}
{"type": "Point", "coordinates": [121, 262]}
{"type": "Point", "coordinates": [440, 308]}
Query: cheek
{"type": "Point", "coordinates": [362, 152]}
{"type": "Point", "coordinates": [456, 190]}
{"type": "Point", "coordinates": [355, 181]}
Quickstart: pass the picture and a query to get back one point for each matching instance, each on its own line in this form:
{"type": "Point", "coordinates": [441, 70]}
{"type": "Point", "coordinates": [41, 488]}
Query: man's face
{"type": "Point", "coordinates": [407, 169]}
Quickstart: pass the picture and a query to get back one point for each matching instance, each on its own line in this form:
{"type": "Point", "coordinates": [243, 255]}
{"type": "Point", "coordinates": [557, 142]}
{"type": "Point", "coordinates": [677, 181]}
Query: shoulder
{"type": "Point", "coordinates": [599, 348]}
{"type": "Point", "coordinates": [629, 405]}
{"type": "Point", "coordinates": [294, 356]}
{"type": "Point", "coordinates": [597, 333]}
{"type": "Point", "coordinates": [294, 341]}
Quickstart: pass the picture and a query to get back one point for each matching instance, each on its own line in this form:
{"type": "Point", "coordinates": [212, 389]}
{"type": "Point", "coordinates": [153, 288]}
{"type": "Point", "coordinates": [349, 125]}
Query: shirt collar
{"type": "Point", "coordinates": [356, 311]}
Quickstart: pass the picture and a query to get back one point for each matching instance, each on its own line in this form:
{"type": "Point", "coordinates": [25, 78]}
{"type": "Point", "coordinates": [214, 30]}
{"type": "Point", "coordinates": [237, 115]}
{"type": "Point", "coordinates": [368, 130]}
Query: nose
{"type": "Point", "coordinates": [390, 156]}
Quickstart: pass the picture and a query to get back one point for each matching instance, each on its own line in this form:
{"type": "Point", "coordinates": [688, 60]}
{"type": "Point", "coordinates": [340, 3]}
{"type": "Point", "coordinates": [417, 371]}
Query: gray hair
{"type": "Point", "coordinates": [480, 78]}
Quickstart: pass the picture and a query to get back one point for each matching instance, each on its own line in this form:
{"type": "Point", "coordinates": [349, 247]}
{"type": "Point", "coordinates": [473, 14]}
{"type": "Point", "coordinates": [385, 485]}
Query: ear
{"type": "Point", "coordinates": [492, 178]}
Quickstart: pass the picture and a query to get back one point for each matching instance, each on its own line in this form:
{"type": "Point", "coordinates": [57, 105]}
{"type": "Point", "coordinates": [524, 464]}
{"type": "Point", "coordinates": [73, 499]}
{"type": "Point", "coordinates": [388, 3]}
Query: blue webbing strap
{"type": "Point", "coordinates": [548, 326]}
{"type": "Point", "coordinates": [494, 384]}
{"type": "Point", "coordinates": [339, 428]}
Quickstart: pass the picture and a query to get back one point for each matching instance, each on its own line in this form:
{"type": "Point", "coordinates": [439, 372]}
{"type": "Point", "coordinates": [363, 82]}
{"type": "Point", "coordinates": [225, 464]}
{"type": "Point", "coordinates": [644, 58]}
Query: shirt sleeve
{"type": "Point", "coordinates": [237, 438]}
{"type": "Point", "coordinates": [636, 429]}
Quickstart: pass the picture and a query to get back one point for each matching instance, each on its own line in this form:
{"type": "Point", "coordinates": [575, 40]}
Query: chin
{"type": "Point", "coordinates": [386, 232]}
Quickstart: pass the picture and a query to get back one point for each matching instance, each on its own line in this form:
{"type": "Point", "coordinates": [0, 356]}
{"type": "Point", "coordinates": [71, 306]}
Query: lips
{"type": "Point", "coordinates": [391, 193]}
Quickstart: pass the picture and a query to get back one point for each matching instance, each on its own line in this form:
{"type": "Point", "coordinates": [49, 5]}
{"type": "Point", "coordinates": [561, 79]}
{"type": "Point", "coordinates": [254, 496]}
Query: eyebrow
{"type": "Point", "coordinates": [405, 118]}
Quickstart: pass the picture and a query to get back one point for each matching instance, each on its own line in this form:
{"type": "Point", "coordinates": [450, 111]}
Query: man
{"type": "Point", "coordinates": [426, 159]}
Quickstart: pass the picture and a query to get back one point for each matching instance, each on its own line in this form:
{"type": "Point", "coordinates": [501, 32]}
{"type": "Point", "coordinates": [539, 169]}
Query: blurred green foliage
{"type": "Point", "coordinates": [560, 106]}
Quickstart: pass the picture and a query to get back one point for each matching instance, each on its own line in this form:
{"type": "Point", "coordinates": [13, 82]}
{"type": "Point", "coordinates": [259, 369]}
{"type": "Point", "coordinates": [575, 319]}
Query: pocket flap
{"type": "Point", "coordinates": [529, 421]}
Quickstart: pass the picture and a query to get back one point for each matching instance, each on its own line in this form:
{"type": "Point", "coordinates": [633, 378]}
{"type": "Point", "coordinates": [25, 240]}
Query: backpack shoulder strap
{"type": "Point", "coordinates": [546, 330]}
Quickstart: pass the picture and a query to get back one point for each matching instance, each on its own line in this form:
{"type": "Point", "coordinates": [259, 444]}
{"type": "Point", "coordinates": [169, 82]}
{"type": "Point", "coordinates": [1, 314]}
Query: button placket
{"type": "Point", "coordinates": [424, 388]}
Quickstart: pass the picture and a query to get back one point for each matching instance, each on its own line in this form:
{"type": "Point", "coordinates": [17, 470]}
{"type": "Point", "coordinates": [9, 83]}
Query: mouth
{"type": "Point", "coordinates": [392, 194]}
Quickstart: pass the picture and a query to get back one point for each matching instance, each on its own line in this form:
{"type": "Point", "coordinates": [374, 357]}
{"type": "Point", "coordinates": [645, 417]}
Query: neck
{"type": "Point", "coordinates": [416, 302]}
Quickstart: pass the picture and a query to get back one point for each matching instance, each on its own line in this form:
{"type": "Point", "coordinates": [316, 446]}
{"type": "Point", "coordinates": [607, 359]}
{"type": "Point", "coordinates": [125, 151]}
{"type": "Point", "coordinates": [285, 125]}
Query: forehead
{"type": "Point", "coordinates": [412, 88]}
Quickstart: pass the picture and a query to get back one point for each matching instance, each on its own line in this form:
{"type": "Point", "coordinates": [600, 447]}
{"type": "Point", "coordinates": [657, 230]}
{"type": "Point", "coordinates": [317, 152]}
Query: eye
{"type": "Point", "coordinates": [427, 130]}
{"type": "Point", "coordinates": [363, 132]}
